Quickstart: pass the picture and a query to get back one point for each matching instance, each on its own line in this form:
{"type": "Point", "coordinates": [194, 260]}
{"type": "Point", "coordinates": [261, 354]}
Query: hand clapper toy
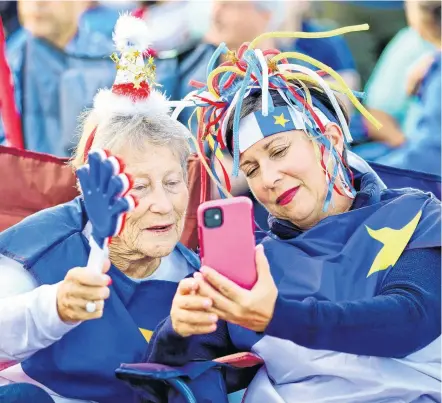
{"type": "Point", "coordinates": [104, 186]}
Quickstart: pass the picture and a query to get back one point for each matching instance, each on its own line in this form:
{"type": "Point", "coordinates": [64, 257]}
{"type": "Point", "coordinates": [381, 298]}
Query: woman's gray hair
{"type": "Point", "coordinates": [133, 131]}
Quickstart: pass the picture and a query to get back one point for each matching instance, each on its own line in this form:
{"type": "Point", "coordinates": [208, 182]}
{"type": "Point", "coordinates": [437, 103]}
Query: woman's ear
{"type": "Point", "coordinates": [334, 133]}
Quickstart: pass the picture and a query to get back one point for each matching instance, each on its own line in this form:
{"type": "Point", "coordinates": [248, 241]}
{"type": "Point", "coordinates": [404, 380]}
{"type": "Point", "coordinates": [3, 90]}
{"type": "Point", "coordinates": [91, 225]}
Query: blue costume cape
{"type": "Point", "coordinates": [81, 365]}
{"type": "Point", "coordinates": [324, 262]}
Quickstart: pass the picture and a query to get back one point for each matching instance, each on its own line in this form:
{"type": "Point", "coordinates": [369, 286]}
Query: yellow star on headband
{"type": "Point", "coordinates": [395, 241]}
{"type": "Point", "coordinates": [281, 120]}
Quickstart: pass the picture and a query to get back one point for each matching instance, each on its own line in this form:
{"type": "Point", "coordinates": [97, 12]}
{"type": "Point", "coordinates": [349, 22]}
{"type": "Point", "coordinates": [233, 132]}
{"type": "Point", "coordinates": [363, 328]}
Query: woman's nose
{"type": "Point", "coordinates": [160, 202]}
{"type": "Point", "coordinates": [270, 176]}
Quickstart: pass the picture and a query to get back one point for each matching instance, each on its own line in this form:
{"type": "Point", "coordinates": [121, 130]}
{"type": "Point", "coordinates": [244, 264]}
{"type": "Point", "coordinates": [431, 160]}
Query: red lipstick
{"type": "Point", "coordinates": [287, 196]}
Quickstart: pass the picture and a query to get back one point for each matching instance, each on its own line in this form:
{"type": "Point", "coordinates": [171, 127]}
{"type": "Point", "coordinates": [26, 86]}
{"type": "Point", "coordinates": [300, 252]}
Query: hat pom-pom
{"type": "Point", "coordinates": [131, 32]}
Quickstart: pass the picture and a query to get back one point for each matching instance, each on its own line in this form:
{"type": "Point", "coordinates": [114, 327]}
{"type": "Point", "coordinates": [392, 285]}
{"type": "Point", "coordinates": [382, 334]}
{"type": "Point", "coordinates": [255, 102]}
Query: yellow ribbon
{"type": "Point", "coordinates": [307, 35]}
{"type": "Point", "coordinates": [336, 76]}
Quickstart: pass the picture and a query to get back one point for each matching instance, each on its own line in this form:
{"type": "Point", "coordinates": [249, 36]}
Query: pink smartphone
{"type": "Point", "coordinates": [227, 240]}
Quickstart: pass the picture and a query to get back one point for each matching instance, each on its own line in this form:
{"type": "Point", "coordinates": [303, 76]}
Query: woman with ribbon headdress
{"type": "Point", "coordinates": [346, 307]}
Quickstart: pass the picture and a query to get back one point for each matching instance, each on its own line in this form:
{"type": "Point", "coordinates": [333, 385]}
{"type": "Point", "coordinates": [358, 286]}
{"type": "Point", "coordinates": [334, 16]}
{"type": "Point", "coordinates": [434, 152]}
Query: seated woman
{"type": "Point", "coordinates": [346, 307]}
{"type": "Point", "coordinates": [50, 336]}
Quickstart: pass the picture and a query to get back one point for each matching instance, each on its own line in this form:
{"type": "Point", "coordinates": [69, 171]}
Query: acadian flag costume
{"type": "Point", "coordinates": [330, 339]}
{"type": "Point", "coordinates": [76, 362]}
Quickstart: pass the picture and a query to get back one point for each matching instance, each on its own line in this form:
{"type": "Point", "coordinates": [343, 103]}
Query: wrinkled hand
{"type": "Point", "coordinates": [190, 312]}
{"type": "Point", "coordinates": [252, 309]}
{"type": "Point", "coordinates": [418, 73]}
{"type": "Point", "coordinates": [80, 286]}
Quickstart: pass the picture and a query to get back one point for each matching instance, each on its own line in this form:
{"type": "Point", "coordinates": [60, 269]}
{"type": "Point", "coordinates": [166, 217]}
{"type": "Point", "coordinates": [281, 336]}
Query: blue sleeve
{"type": "Point", "coordinates": [425, 152]}
{"type": "Point", "coordinates": [404, 317]}
{"type": "Point", "coordinates": [168, 347]}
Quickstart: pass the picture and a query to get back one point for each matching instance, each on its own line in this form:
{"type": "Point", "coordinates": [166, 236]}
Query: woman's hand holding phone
{"type": "Point", "coordinates": [190, 313]}
{"type": "Point", "coordinates": [235, 283]}
{"type": "Point", "coordinates": [252, 309]}
{"type": "Point", "coordinates": [209, 296]}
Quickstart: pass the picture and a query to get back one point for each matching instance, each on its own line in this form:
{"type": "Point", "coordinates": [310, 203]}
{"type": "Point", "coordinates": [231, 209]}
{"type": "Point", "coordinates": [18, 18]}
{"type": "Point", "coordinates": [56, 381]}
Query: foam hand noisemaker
{"type": "Point", "coordinates": [105, 190]}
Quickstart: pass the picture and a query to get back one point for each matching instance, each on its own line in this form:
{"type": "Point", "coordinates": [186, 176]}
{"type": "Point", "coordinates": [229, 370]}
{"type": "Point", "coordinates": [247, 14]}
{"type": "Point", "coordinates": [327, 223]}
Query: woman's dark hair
{"type": "Point", "coordinates": [253, 103]}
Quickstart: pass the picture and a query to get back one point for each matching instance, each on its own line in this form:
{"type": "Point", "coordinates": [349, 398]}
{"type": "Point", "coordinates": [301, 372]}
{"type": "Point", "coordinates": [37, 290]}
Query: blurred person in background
{"type": "Point", "coordinates": [385, 18]}
{"type": "Point", "coordinates": [57, 67]}
{"type": "Point", "coordinates": [422, 150]}
{"type": "Point", "coordinates": [100, 17]}
{"type": "Point", "coordinates": [388, 97]}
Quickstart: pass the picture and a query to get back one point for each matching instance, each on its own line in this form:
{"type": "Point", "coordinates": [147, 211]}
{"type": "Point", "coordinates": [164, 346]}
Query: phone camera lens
{"type": "Point", "coordinates": [213, 217]}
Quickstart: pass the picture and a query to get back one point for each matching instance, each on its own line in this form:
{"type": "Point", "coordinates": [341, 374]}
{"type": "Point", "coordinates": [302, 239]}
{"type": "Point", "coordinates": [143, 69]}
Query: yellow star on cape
{"type": "Point", "coordinates": [395, 241]}
{"type": "Point", "coordinates": [146, 333]}
{"type": "Point", "coordinates": [281, 120]}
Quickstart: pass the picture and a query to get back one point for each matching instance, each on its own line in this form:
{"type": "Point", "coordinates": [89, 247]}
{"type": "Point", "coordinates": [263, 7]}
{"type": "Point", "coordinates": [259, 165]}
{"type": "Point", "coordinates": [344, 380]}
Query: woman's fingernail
{"type": "Point", "coordinates": [197, 276]}
{"type": "Point", "coordinates": [207, 303]}
{"type": "Point", "coordinates": [203, 269]}
{"type": "Point", "coordinates": [213, 318]}
{"type": "Point", "coordinates": [109, 282]}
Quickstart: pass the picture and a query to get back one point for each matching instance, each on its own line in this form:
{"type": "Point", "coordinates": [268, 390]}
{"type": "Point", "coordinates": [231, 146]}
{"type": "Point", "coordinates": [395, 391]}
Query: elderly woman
{"type": "Point", "coordinates": [346, 307]}
{"type": "Point", "coordinates": [48, 338]}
